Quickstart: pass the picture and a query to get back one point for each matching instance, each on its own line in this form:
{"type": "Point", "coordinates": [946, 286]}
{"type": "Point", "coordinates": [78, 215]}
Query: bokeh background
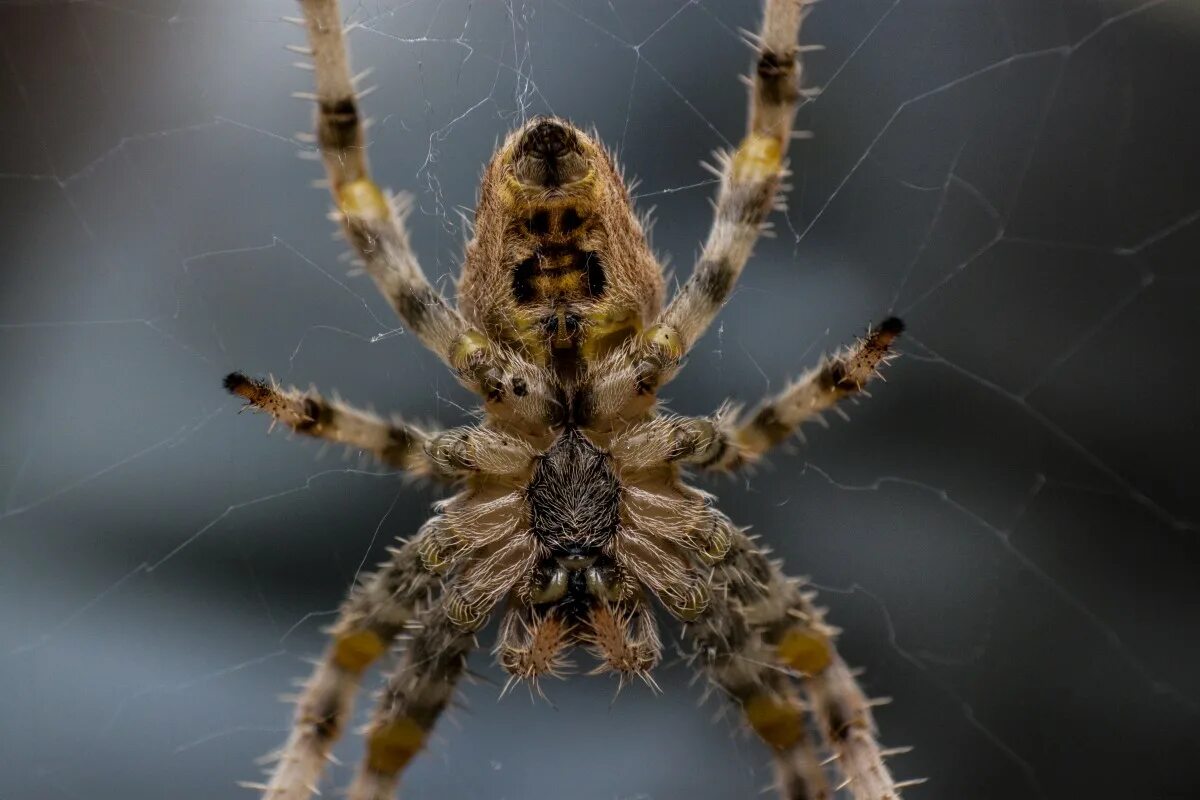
{"type": "Point", "coordinates": [1007, 531]}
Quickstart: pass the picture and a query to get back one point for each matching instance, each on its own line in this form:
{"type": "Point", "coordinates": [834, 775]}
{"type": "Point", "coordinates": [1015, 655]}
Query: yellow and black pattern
{"type": "Point", "coordinates": [722, 442]}
{"type": "Point", "coordinates": [373, 615]}
{"type": "Point", "coordinates": [373, 223]}
{"type": "Point", "coordinates": [392, 442]}
{"type": "Point", "coordinates": [844, 374]}
{"type": "Point", "coordinates": [452, 455]}
{"type": "Point", "coordinates": [749, 176]}
{"type": "Point", "coordinates": [768, 623]}
{"type": "Point", "coordinates": [371, 219]}
{"type": "Point", "coordinates": [416, 694]}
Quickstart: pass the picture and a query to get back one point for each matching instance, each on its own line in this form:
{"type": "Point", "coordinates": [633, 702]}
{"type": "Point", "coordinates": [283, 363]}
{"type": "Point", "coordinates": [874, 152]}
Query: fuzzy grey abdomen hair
{"type": "Point", "coordinates": [574, 497]}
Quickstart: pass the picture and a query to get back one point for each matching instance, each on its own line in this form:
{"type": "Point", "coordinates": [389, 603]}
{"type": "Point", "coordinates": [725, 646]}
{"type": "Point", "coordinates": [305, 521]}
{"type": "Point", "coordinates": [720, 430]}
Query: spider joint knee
{"type": "Point", "coordinates": [469, 358]}
{"type": "Point", "coordinates": [662, 351]}
{"type": "Point", "coordinates": [465, 614]}
{"type": "Point", "coordinates": [688, 602]}
{"type": "Point", "coordinates": [435, 548]}
{"type": "Point", "coordinates": [692, 439]}
{"type": "Point", "coordinates": [714, 545]}
{"type": "Point", "coordinates": [453, 453]}
{"type": "Point", "coordinates": [701, 443]}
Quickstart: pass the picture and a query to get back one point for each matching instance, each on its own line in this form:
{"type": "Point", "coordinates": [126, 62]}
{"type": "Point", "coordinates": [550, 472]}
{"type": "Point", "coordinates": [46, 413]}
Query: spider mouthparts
{"type": "Point", "coordinates": [549, 154]}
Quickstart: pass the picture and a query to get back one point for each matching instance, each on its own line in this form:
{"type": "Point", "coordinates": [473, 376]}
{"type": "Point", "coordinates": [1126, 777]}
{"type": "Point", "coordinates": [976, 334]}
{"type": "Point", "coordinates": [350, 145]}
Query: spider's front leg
{"type": "Point", "coordinates": [448, 455]}
{"type": "Point", "coordinates": [373, 224]}
{"type": "Point", "coordinates": [370, 619]}
{"type": "Point", "coordinates": [750, 179]}
{"type": "Point", "coordinates": [416, 694]}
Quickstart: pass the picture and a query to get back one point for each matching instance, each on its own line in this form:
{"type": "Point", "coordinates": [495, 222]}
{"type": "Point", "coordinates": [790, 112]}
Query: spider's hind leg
{"type": "Point", "coordinates": [739, 661]}
{"type": "Point", "coordinates": [370, 619]}
{"type": "Point", "coordinates": [766, 631]}
{"type": "Point", "coordinates": [415, 696]}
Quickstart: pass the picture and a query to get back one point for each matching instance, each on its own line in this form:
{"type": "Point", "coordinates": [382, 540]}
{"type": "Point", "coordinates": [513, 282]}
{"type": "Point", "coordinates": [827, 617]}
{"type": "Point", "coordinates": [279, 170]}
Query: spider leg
{"type": "Point", "coordinates": [371, 617]}
{"type": "Point", "coordinates": [373, 224]}
{"type": "Point", "coordinates": [449, 455]}
{"type": "Point", "coordinates": [415, 696]}
{"type": "Point", "coordinates": [721, 442]}
{"type": "Point", "coordinates": [469, 451]}
{"type": "Point", "coordinates": [737, 659]}
{"type": "Point", "coordinates": [697, 442]}
{"type": "Point", "coordinates": [749, 178]}
{"type": "Point", "coordinates": [798, 640]}
{"type": "Point", "coordinates": [841, 375]}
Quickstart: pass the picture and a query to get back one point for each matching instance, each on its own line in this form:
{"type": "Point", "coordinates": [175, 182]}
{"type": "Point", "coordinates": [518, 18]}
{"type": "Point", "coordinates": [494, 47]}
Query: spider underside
{"type": "Point", "coordinates": [570, 511]}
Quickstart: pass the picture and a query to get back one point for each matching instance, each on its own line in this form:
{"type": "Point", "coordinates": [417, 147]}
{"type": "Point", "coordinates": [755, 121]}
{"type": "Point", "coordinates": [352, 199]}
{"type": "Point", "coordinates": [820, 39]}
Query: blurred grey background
{"type": "Point", "coordinates": [1007, 531]}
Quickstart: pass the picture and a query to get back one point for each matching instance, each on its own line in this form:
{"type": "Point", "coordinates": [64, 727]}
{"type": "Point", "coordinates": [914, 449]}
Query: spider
{"type": "Point", "coordinates": [571, 510]}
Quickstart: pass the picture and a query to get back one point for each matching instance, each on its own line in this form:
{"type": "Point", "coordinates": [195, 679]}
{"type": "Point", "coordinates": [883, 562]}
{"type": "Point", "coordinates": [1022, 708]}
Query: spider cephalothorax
{"type": "Point", "coordinates": [574, 500]}
{"type": "Point", "coordinates": [570, 510]}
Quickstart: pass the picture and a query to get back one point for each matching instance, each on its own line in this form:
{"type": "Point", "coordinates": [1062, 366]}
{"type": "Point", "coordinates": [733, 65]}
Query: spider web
{"type": "Point", "coordinates": [1007, 532]}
